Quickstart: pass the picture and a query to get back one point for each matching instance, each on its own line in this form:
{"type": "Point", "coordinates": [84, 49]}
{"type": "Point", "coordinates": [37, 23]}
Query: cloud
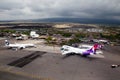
{"type": "Point", "coordinates": [31, 9]}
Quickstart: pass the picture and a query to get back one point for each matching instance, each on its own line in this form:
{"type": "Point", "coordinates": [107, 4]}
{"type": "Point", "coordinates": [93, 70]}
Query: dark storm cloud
{"type": "Point", "coordinates": [10, 4]}
{"type": "Point", "coordinates": [28, 9]}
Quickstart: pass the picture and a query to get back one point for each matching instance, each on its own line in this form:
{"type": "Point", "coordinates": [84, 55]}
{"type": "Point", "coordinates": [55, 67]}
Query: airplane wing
{"type": "Point", "coordinates": [28, 45]}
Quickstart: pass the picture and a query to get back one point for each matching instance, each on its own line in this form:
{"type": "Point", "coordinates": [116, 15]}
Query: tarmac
{"type": "Point", "coordinates": [53, 66]}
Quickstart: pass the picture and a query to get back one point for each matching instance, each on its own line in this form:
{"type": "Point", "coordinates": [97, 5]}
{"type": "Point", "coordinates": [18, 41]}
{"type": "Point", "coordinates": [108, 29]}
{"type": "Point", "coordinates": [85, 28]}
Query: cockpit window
{"type": "Point", "coordinates": [65, 49]}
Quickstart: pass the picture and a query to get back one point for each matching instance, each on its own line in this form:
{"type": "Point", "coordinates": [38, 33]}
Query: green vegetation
{"type": "Point", "coordinates": [112, 37]}
{"type": "Point", "coordinates": [7, 31]}
{"type": "Point", "coordinates": [63, 33]}
{"type": "Point", "coordinates": [26, 32]}
{"type": "Point", "coordinates": [80, 35]}
{"type": "Point", "coordinates": [48, 40]}
{"type": "Point", "coordinates": [74, 40]}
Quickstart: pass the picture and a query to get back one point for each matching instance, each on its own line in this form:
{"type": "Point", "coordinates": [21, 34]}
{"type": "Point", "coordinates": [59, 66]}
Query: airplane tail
{"type": "Point", "coordinates": [91, 51]}
{"type": "Point", "coordinates": [95, 47]}
{"type": "Point", "coordinates": [98, 46]}
{"type": "Point", "coordinates": [6, 42]}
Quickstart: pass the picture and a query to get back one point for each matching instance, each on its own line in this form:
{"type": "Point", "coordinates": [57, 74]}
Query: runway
{"type": "Point", "coordinates": [51, 66]}
{"type": "Point", "coordinates": [10, 76]}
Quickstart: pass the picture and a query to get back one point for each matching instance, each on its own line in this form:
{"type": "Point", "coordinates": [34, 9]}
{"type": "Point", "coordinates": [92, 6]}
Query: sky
{"type": "Point", "coordinates": [39, 9]}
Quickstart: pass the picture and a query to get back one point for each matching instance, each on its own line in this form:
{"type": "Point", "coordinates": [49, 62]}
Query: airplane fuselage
{"type": "Point", "coordinates": [19, 46]}
{"type": "Point", "coordinates": [68, 50]}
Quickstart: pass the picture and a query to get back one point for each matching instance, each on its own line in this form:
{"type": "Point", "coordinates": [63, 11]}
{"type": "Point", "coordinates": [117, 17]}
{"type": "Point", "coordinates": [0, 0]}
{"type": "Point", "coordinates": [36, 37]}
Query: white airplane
{"type": "Point", "coordinates": [104, 41]}
{"type": "Point", "coordinates": [66, 50]}
{"type": "Point", "coordinates": [101, 41]}
{"type": "Point", "coordinates": [17, 46]}
{"type": "Point", "coordinates": [86, 46]}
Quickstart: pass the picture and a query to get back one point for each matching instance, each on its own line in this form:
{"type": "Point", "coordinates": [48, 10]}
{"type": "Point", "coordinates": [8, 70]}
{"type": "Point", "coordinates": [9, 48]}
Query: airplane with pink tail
{"type": "Point", "coordinates": [92, 52]}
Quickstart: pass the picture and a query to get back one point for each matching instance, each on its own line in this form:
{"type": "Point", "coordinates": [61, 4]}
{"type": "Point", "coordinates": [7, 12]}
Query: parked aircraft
{"type": "Point", "coordinates": [87, 46]}
{"type": "Point", "coordinates": [66, 50]}
{"type": "Point", "coordinates": [101, 41]}
{"type": "Point", "coordinates": [17, 45]}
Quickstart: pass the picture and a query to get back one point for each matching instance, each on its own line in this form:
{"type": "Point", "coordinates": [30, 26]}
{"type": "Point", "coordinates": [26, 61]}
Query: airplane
{"type": "Point", "coordinates": [104, 41]}
{"type": "Point", "coordinates": [17, 45]}
{"type": "Point", "coordinates": [101, 41]}
{"type": "Point", "coordinates": [66, 50]}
